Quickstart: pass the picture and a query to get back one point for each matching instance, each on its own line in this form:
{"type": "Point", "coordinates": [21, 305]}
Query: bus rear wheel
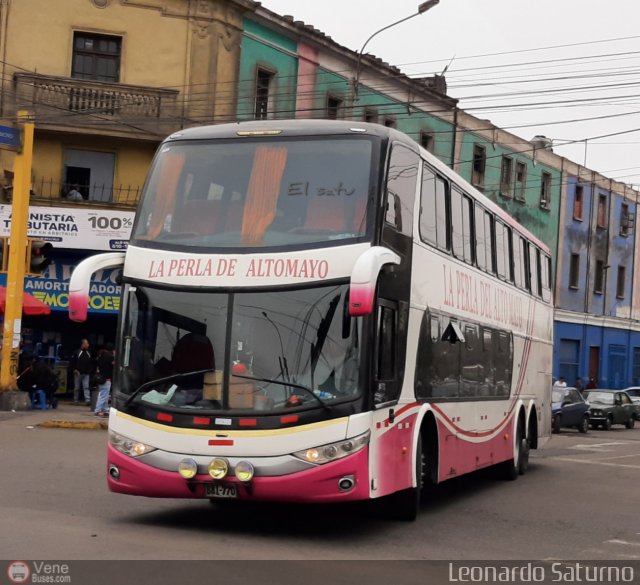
{"type": "Point", "coordinates": [510, 470]}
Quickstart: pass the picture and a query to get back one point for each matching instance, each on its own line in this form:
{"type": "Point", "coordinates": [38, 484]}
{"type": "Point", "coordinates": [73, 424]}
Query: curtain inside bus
{"type": "Point", "coordinates": [166, 192]}
{"type": "Point", "coordinates": [262, 193]}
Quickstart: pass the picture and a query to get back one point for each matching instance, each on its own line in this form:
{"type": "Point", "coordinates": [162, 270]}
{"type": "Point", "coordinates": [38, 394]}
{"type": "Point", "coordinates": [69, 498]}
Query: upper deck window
{"type": "Point", "coordinates": [233, 194]}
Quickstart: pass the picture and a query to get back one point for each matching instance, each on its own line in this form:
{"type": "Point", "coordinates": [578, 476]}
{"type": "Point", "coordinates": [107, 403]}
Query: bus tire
{"type": "Point", "coordinates": [405, 505]}
{"type": "Point", "coordinates": [511, 469]}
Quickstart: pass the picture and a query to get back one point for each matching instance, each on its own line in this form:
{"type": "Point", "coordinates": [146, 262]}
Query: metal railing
{"type": "Point", "coordinates": [50, 191]}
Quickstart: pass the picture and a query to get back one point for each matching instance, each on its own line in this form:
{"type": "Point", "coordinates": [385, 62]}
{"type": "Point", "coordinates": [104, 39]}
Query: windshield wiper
{"type": "Point", "coordinates": [284, 383]}
{"type": "Point", "coordinates": [162, 380]}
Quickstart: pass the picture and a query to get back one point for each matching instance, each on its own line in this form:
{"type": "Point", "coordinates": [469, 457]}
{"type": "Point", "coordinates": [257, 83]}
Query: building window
{"type": "Point", "coordinates": [96, 57]}
{"type": "Point", "coordinates": [569, 359]}
{"type": "Point", "coordinates": [578, 202]}
{"type": "Point", "coordinates": [622, 271]}
{"type": "Point", "coordinates": [89, 173]}
{"type": "Point", "coordinates": [263, 93]}
{"type": "Point", "coordinates": [506, 172]}
{"type": "Point", "coordinates": [602, 211]}
{"type": "Point", "coordinates": [334, 107]}
{"type": "Point", "coordinates": [627, 220]}
{"type": "Point", "coordinates": [370, 115]}
{"type": "Point", "coordinates": [426, 141]}
{"type": "Point", "coordinates": [574, 271]}
{"type": "Point", "coordinates": [545, 191]}
{"type": "Point", "coordinates": [521, 180]}
{"type": "Point", "coordinates": [598, 281]}
{"type": "Point", "coordinates": [479, 163]}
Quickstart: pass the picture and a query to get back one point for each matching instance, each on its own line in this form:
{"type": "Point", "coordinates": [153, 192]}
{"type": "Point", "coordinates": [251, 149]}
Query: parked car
{"type": "Point", "coordinates": [610, 407]}
{"type": "Point", "coordinates": [634, 394]}
{"type": "Point", "coordinates": [569, 409]}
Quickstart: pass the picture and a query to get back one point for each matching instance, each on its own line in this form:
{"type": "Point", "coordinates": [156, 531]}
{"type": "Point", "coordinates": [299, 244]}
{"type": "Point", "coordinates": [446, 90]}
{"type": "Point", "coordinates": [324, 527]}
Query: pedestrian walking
{"type": "Point", "coordinates": [104, 373]}
{"type": "Point", "coordinates": [592, 384]}
{"type": "Point", "coordinates": [578, 385]}
{"type": "Point", "coordinates": [82, 364]}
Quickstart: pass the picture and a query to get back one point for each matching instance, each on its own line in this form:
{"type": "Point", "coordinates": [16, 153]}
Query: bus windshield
{"type": "Point", "coordinates": [285, 349]}
{"type": "Point", "coordinates": [255, 194]}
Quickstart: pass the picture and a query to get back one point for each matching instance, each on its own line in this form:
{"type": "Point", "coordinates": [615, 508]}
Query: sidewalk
{"type": "Point", "coordinates": [66, 416]}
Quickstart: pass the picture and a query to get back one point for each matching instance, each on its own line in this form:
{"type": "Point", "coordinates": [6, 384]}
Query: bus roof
{"type": "Point", "coordinates": [263, 128]}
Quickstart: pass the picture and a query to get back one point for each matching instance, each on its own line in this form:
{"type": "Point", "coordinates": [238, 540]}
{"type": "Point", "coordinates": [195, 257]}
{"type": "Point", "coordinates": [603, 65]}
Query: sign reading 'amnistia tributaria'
{"type": "Point", "coordinates": [75, 228]}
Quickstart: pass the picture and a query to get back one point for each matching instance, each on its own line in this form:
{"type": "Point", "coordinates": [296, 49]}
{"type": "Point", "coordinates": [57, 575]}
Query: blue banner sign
{"type": "Point", "coordinates": [10, 138]}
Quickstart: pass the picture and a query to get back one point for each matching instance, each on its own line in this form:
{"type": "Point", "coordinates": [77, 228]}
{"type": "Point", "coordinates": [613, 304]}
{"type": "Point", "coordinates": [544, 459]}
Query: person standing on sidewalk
{"type": "Point", "coordinates": [104, 373]}
{"type": "Point", "coordinates": [82, 364]}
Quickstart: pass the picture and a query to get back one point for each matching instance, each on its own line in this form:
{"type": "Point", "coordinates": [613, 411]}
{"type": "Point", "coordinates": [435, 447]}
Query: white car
{"type": "Point", "coordinates": [634, 394]}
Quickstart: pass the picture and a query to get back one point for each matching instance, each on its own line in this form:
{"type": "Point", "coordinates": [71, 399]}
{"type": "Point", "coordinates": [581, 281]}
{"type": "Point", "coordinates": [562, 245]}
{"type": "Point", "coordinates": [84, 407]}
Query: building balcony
{"type": "Point", "coordinates": [79, 105]}
{"type": "Point", "coordinates": [53, 193]}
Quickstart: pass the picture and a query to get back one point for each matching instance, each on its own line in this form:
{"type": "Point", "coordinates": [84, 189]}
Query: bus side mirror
{"type": "Point", "coordinates": [364, 278]}
{"type": "Point", "coordinates": [80, 282]}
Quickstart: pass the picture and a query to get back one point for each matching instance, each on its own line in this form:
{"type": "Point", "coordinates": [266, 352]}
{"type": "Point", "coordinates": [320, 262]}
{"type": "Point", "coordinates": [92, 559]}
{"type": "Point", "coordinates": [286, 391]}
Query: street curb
{"type": "Point", "coordinates": [69, 424]}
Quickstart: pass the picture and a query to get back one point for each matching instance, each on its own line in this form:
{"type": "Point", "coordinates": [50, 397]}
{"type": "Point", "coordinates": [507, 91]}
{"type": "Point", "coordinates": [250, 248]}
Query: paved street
{"type": "Point", "coordinates": [579, 501]}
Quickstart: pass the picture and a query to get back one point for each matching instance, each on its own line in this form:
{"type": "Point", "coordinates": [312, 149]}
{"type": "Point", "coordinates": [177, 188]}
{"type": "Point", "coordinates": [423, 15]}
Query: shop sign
{"type": "Point", "coordinates": [53, 288]}
{"type": "Point", "coordinates": [75, 228]}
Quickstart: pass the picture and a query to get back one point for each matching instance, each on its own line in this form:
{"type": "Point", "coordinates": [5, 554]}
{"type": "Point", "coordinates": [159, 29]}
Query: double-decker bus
{"type": "Point", "coordinates": [321, 311]}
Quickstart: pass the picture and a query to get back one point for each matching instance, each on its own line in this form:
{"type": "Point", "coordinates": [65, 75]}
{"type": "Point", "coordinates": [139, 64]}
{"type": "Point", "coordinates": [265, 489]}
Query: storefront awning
{"type": "Point", "coordinates": [30, 305]}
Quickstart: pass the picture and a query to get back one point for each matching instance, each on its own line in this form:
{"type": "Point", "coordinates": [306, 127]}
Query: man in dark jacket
{"type": "Point", "coordinates": [104, 373]}
{"type": "Point", "coordinates": [82, 364]}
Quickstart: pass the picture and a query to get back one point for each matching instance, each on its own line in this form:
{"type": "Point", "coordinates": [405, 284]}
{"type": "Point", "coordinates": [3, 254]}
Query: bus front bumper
{"type": "Point", "coordinates": [127, 475]}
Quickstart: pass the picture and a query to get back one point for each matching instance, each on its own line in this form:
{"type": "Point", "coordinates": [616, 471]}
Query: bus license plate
{"type": "Point", "coordinates": [220, 490]}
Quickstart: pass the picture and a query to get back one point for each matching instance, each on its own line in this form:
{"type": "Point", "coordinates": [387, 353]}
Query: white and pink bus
{"type": "Point", "coordinates": [321, 311]}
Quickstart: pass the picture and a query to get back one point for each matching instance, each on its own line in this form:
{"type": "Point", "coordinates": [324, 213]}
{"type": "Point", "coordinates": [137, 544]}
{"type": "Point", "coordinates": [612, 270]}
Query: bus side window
{"type": "Point", "coordinates": [473, 371]}
{"type": "Point", "coordinates": [545, 270]}
{"type": "Point", "coordinates": [425, 376]}
{"type": "Point", "coordinates": [534, 266]}
{"type": "Point", "coordinates": [501, 253]}
{"type": "Point", "coordinates": [401, 188]}
{"type": "Point", "coordinates": [503, 359]}
{"type": "Point", "coordinates": [526, 265]}
{"type": "Point", "coordinates": [518, 264]}
{"type": "Point", "coordinates": [467, 230]}
{"type": "Point", "coordinates": [428, 215]}
{"type": "Point", "coordinates": [488, 384]}
{"type": "Point", "coordinates": [490, 238]}
{"type": "Point", "coordinates": [386, 353]}
{"type": "Point", "coordinates": [456, 223]}
{"type": "Point", "coordinates": [481, 252]}
{"type": "Point", "coordinates": [442, 214]}
{"type": "Point", "coordinates": [509, 252]}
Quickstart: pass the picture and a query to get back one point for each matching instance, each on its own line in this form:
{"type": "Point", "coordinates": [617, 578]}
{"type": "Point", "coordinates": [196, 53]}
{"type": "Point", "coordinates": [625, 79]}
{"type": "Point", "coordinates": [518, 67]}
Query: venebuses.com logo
{"type": "Point", "coordinates": [38, 572]}
{"type": "Point", "coordinates": [18, 572]}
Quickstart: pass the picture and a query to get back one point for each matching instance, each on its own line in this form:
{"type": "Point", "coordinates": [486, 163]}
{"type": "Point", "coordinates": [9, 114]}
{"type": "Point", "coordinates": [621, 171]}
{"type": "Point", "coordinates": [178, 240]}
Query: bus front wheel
{"type": "Point", "coordinates": [405, 505]}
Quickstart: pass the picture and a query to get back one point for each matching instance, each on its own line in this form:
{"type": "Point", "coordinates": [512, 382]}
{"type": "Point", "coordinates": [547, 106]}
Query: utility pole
{"type": "Point", "coordinates": [17, 256]}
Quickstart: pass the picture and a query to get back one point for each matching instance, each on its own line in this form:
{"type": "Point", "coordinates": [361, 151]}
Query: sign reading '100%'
{"type": "Point", "coordinates": [115, 223]}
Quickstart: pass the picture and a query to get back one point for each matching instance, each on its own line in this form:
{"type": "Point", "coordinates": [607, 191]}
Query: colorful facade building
{"type": "Point", "coordinates": [291, 69]}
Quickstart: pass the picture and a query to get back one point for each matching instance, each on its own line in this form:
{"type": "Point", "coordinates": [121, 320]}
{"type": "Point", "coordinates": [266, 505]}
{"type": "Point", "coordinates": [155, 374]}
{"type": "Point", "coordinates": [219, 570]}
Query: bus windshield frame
{"type": "Point", "coordinates": [240, 352]}
{"type": "Point", "coordinates": [260, 200]}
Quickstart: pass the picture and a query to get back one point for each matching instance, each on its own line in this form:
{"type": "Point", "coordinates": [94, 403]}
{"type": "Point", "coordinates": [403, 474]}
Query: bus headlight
{"type": "Point", "coordinates": [218, 468]}
{"type": "Point", "coordinates": [244, 471]}
{"type": "Point", "coordinates": [334, 451]}
{"type": "Point", "coordinates": [128, 446]}
{"type": "Point", "coordinates": [187, 468]}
